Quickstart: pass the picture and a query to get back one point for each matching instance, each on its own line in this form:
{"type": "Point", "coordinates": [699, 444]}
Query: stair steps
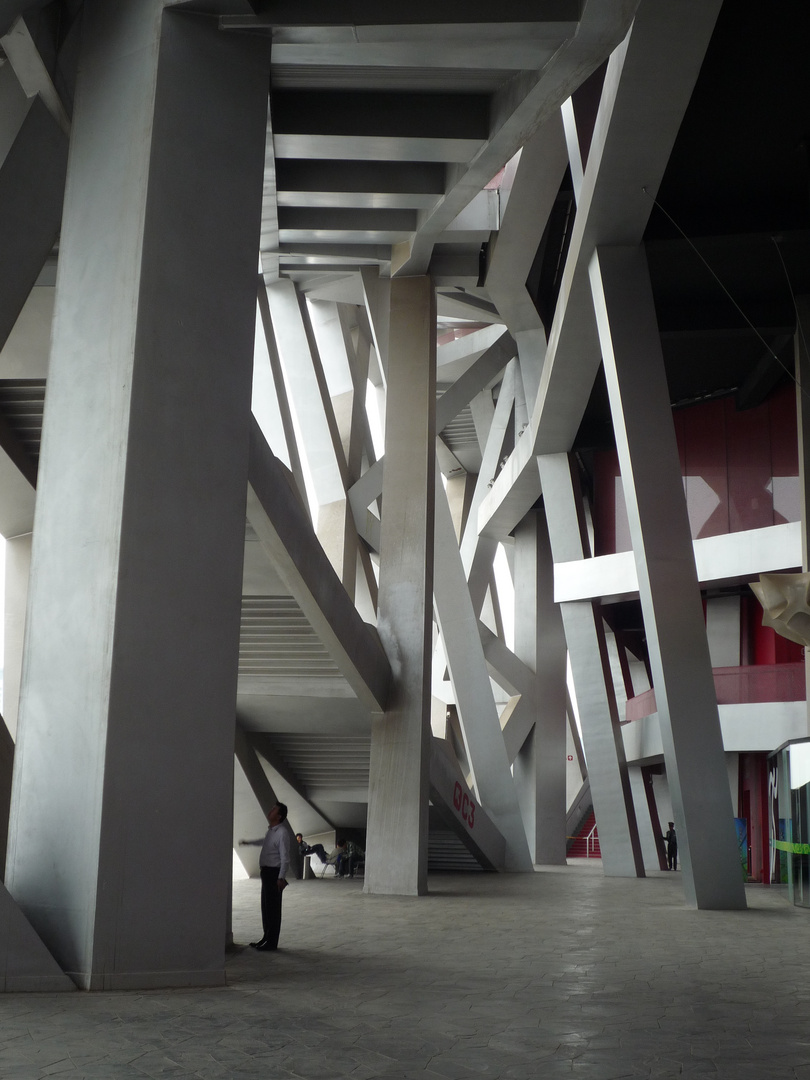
{"type": "Point", "coordinates": [578, 845]}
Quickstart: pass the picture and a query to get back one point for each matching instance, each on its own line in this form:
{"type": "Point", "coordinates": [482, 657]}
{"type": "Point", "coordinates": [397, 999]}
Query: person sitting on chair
{"type": "Point", "coordinates": [350, 856]}
{"type": "Point", "coordinates": [337, 856]}
{"type": "Point", "coordinates": [311, 849]}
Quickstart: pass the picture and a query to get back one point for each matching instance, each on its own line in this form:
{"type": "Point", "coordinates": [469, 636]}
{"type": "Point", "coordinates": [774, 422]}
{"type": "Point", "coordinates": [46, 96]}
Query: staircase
{"type": "Point", "coordinates": [585, 845]}
{"type": "Point", "coordinates": [447, 853]}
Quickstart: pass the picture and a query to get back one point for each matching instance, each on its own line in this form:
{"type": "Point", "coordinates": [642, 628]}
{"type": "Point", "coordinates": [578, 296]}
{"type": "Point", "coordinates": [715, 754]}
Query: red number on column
{"type": "Point", "coordinates": [465, 806]}
{"type": "Point", "coordinates": [457, 796]}
{"type": "Point", "coordinates": [471, 818]}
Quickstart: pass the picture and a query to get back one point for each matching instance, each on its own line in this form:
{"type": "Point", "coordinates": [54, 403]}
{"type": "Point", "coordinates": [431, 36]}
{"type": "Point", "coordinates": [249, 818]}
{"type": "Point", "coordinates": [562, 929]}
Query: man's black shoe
{"type": "Point", "coordinates": [258, 944]}
{"type": "Point", "coordinates": [265, 946]}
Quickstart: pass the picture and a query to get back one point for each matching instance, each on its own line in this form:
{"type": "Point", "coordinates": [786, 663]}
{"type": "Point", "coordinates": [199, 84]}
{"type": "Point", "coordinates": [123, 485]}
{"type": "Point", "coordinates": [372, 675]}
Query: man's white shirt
{"type": "Point", "coordinates": [276, 849]}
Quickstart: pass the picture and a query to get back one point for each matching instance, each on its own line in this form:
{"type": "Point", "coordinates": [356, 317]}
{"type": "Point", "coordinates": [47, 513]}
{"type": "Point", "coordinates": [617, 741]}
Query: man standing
{"type": "Point", "coordinates": [672, 847]}
{"type": "Point", "coordinates": [274, 862]}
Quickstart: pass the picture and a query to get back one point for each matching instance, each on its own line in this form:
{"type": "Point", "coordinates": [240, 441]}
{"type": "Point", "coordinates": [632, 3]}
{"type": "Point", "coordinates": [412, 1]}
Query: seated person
{"type": "Point", "coordinates": [335, 857]}
{"type": "Point", "coordinates": [311, 849]}
{"type": "Point", "coordinates": [349, 856]}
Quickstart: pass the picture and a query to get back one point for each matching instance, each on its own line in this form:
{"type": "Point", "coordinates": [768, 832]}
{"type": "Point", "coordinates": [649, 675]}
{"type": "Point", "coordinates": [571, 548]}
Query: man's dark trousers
{"type": "Point", "coordinates": [271, 905]}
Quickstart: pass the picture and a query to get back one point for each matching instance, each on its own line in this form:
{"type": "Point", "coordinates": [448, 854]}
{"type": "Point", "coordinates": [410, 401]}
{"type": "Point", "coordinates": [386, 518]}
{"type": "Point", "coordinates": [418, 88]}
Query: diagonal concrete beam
{"type": "Point", "coordinates": [370, 485]}
{"type": "Point", "coordinates": [648, 84]}
{"type": "Point", "coordinates": [308, 392]}
{"type": "Point", "coordinates": [460, 811]}
{"type": "Point", "coordinates": [469, 347]}
{"type": "Point", "coordinates": [253, 798]}
{"type": "Point", "coordinates": [377, 299]}
{"type": "Point", "coordinates": [514, 676]}
{"type": "Point", "coordinates": [254, 773]}
{"type": "Point", "coordinates": [478, 552]}
{"type": "Point", "coordinates": [287, 424]}
{"type": "Point", "coordinates": [24, 57]}
{"type": "Point", "coordinates": [448, 462]}
{"type": "Point", "coordinates": [486, 368]}
{"type": "Point", "coordinates": [669, 592]}
{"type": "Point", "coordinates": [32, 188]}
{"type": "Point", "coordinates": [361, 495]}
{"type": "Point", "coordinates": [517, 723]}
{"type": "Point", "coordinates": [25, 963]}
{"type": "Point", "coordinates": [287, 537]}
{"type": "Point", "coordinates": [505, 667]}
{"type": "Point", "coordinates": [287, 785]}
{"type": "Point", "coordinates": [261, 780]}
{"type": "Point", "coordinates": [537, 179]}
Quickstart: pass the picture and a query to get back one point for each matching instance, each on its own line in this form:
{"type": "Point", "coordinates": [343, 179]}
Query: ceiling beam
{"type": "Point", "coordinates": [410, 12]}
{"type": "Point", "coordinates": [523, 104]}
{"type": "Point", "coordinates": [354, 125]}
{"type": "Point", "coordinates": [443, 54]}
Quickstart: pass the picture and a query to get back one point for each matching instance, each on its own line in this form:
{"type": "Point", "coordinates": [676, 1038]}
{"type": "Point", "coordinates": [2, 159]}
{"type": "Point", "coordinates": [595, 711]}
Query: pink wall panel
{"type": "Point", "coordinates": [605, 469]}
{"type": "Point", "coordinates": [784, 455]}
{"type": "Point", "coordinates": [705, 468]}
{"type": "Point", "coordinates": [748, 447]}
{"type": "Point", "coordinates": [740, 470]}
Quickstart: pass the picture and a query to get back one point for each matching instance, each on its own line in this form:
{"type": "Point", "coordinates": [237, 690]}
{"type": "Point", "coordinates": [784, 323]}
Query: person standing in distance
{"type": "Point", "coordinates": [672, 847]}
{"type": "Point", "coordinates": [274, 863]}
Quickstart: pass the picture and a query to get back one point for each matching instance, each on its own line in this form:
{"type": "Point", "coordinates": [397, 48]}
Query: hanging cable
{"type": "Point", "coordinates": [799, 326]}
{"type": "Point", "coordinates": [768, 348]}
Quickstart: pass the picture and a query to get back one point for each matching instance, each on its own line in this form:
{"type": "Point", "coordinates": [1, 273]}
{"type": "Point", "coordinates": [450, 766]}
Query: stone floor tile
{"type": "Point", "coordinates": [559, 974]}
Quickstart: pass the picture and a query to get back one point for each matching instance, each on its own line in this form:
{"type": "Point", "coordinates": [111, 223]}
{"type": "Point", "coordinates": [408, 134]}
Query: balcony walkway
{"type": "Point", "coordinates": [560, 974]}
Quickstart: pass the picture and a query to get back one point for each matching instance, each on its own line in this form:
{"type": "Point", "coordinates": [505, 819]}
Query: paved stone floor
{"type": "Point", "coordinates": [561, 974]}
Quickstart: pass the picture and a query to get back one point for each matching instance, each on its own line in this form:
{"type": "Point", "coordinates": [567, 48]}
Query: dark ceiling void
{"type": "Point", "coordinates": [740, 162]}
{"type": "Point", "coordinates": [728, 245]}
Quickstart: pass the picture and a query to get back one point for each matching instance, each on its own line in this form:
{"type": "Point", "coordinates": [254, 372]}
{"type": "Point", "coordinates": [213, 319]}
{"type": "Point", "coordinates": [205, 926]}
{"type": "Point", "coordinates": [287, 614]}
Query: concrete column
{"type": "Point", "coordinates": [593, 680]}
{"type": "Point", "coordinates": [802, 360]}
{"type": "Point", "coordinates": [120, 841]}
{"type": "Point", "coordinates": [668, 585]}
{"type": "Point", "coordinates": [18, 564]}
{"type": "Point", "coordinates": [400, 740]}
{"type": "Point", "coordinates": [540, 644]}
{"type": "Point", "coordinates": [18, 567]}
{"type": "Point", "coordinates": [525, 774]}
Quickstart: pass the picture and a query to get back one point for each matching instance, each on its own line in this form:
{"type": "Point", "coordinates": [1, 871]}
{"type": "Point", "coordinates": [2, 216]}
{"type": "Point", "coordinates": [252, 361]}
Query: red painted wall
{"type": "Point", "coordinates": [741, 471]}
